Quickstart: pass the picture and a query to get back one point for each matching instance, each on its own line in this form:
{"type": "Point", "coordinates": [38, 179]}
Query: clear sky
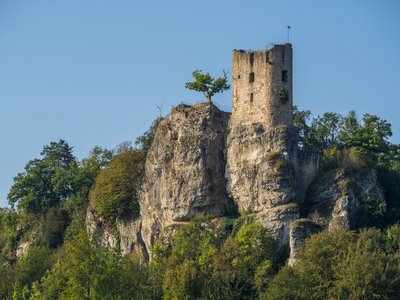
{"type": "Point", "coordinates": [93, 72]}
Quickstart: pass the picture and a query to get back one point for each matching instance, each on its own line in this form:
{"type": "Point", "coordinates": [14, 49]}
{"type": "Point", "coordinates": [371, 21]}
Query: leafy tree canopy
{"type": "Point", "coordinates": [206, 84]}
{"type": "Point", "coordinates": [368, 136]}
{"type": "Point", "coordinates": [45, 181]}
{"type": "Point", "coordinates": [115, 191]}
{"type": "Point", "coordinates": [342, 265]}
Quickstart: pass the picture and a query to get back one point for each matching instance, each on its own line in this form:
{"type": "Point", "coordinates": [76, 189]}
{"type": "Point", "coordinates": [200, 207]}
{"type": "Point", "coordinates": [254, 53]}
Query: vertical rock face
{"type": "Point", "coordinates": [299, 231]}
{"type": "Point", "coordinates": [125, 235]}
{"type": "Point", "coordinates": [259, 174]}
{"type": "Point", "coordinates": [261, 177]}
{"type": "Point", "coordinates": [185, 167]}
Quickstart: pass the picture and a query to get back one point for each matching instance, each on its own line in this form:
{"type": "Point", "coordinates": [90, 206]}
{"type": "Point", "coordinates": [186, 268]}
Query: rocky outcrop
{"type": "Point", "coordinates": [299, 231]}
{"type": "Point", "coordinates": [278, 220]}
{"type": "Point", "coordinates": [185, 167]}
{"type": "Point", "coordinates": [335, 199]}
{"type": "Point", "coordinates": [200, 164]}
{"type": "Point", "coordinates": [261, 177]}
{"type": "Point", "coordinates": [258, 172]}
{"type": "Point", "coordinates": [125, 235]}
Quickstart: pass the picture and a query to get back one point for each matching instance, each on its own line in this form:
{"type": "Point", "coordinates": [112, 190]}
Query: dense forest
{"type": "Point", "coordinates": [46, 253]}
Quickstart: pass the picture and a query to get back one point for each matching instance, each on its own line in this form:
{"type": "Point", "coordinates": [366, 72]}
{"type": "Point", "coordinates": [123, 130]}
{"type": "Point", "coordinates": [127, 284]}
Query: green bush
{"type": "Point", "coordinates": [348, 159]}
{"type": "Point", "coordinates": [115, 191]}
{"type": "Point", "coordinates": [30, 268]}
{"type": "Point", "coordinates": [342, 265]}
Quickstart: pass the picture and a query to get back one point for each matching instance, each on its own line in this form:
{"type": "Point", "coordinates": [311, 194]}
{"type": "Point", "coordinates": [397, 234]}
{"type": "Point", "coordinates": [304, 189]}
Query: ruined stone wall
{"type": "Point", "coordinates": [259, 79]}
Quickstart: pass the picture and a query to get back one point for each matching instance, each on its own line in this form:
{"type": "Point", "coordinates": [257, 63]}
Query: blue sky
{"type": "Point", "coordinates": [93, 72]}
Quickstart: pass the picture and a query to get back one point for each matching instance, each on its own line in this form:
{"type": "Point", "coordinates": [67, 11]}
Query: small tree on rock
{"type": "Point", "coordinates": [206, 84]}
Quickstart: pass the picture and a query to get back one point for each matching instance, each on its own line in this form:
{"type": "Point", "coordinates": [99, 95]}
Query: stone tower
{"type": "Point", "coordinates": [261, 152]}
{"type": "Point", "coordinates": [262, 87]}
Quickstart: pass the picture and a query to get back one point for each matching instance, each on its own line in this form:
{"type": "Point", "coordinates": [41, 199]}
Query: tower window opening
{"type": "Point", "coordinates": [251, 97]}
{"type": "Point", "coordinates": [267, 57]}
{"type": "Point", "coordinates": [284, 76]}
{"type": "Point", "coordinates": [251, 77]}
{"type": "Point", "coordinates": [251, 59]}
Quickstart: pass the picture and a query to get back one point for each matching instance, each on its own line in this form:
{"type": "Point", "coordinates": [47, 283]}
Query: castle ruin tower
{"type": "Point", "coordinates": [262, 87]}
{"type": "Point", "coordinates": [260, 172]}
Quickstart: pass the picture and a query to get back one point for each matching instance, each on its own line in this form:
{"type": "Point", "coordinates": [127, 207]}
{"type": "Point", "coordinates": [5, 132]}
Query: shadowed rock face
{"type": "Point", "coordinates": [299, 231]}
{"type": "Point", "coordinates": [185, 167]}
{"type": "Point", "coordinates": [334, 198]}
{"type": "Point", "coordinates": [334, 201]}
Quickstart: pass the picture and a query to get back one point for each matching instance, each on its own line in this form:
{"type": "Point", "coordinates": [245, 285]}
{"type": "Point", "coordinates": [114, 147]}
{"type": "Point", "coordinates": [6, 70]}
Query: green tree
{"type": "Point", "coordinates": [321, 134]}
{"type": "Point", "coordinates": [300, 121]}
{"type": "Point", "coordinates": [286, 285]}
{"type": "Point", "coordinates": [370, 137]}
{"type": "Point", "coordinates": [325, 130]}
{"type": "Point", "coordinates": [45, 182]}
{"type": "Point", "coordinates": [30, 268]}
{"type": "Point", "coordinates": [243, 264]}
{"type": "Point", "coordinates": [9, 233]}
{"type": "Point", "coordinates": [342, 265]}
{"type": "Point", "coordinates": [51, 231]}
{"type": "Point", "coordinates": [83, 271]}
{"type": "Point", "coordinates": [206, 84]}
{"type": "Point", "coordinates": [182, 281]}
{"type": "Point", "coordinates": [115, 191]}
{"type": "Point", "coordinates": [83, 181]}
{"type": "Point", "coordinates": [367, 271]}
{"type": "Point", "coordinates": [137, 279]}
{"type": "Point", "coordinates": [227, 279]}
{"type": "Point", "coordinates": [186, 266]}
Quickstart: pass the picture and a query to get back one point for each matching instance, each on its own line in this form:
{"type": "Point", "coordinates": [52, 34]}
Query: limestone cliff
{"type": "Point", "coordinates": [335, 200]}
{"type": "Point", "coordinates": [125, 235]}
{"type": "Point", "coordinates": [185, 167]}
{"type": "Point", "coordinates": [260, 176]}
{"type": "Point", "coordinates": [200, 164]}
{"type": "Point", "coordinates": [299, 231]}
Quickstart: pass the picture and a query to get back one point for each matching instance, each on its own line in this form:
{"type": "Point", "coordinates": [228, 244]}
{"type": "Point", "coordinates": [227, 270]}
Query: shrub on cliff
{"type": "Point", "coordinates": [114, 193]}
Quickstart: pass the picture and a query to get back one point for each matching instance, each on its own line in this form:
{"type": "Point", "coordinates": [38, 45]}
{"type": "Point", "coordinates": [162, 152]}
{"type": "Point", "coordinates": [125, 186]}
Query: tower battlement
{"type": "Point", "coordinates": [262, 86]}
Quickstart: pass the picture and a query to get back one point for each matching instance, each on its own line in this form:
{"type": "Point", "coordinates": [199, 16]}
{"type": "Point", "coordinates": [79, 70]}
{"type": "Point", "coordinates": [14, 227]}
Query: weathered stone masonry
{"type": "Point", "coordinates": [260, 80]}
